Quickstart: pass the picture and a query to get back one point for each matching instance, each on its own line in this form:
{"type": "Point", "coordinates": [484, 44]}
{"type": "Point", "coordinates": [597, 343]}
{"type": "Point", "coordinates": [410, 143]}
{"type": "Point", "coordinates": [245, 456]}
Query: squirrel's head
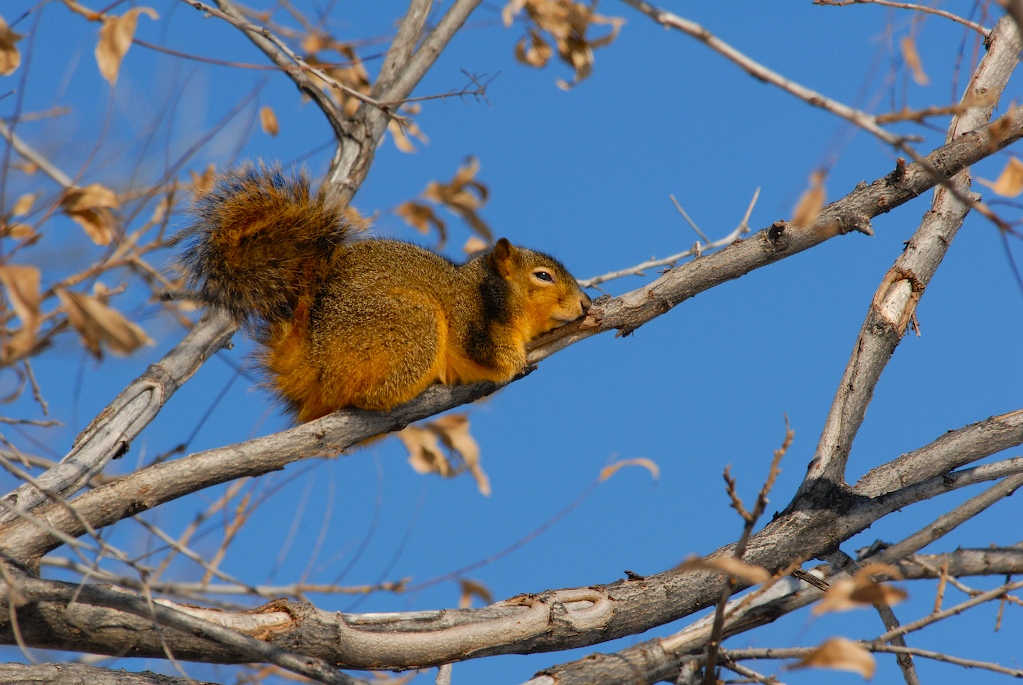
{"type": "Point", "coordinates": [542, 291]}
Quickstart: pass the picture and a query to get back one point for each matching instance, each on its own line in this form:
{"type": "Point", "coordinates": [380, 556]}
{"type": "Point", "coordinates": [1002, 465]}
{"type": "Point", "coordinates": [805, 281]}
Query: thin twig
{"type": "Point", "coordinates": [909, 6]}
{"type": "Point", "coordinates": [709, 677]}
{"type": "Point", "coordinates": [697, 250]}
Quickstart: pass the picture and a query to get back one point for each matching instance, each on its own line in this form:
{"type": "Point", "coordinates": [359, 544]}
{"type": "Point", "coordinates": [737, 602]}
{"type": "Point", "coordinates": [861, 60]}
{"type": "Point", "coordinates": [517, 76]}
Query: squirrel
{"type": "Point", "coordinates": [342, 321]}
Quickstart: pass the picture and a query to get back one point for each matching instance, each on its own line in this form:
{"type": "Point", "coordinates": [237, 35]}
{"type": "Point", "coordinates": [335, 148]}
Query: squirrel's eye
{"type": "Point", "coordinates": [544, 275]}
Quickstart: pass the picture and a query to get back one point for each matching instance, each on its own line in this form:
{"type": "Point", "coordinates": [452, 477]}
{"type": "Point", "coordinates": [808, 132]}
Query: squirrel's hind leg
{"type": "Point", "coordinates": [381, 356]}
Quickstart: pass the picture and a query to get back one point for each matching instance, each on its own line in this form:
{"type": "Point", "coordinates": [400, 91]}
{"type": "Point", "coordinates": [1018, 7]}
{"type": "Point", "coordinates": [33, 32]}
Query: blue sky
{"type": "Point", "coordinates": [585, 175]}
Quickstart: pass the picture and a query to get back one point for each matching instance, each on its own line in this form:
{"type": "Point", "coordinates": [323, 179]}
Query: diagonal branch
{"type": "Point", "coordinates": [894, 304]}
{"type": "Point", "coordinates": [403, 70]}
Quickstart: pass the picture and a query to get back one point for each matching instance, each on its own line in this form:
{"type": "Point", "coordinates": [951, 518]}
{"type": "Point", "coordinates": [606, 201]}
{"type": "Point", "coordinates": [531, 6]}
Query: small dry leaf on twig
{"type": "Point", "coordinates": [99, 324]}
{"type": "Point", "coordinates": [115, 38]}
{"type": "Point", "coordinates": [202, 183]}
{"type": "Point", "coordinates": [268, 121]}
{"type": "Point", "coordinates": [912, 59]}
{"type": "Point", "coordinates": [351, 74]}
{"type": "Point", "coordinates": [811, 201]}
{"type": "Point", "coordinates": [421, 217]}
{"type": "Point", "coordinates": [452, 431]}
{"type": "Point", "coordinates": [537, 54]}
{"type": "Point", "coordinates": [463, 196]}
{"type": "Point", "coordinates": [21, 284]}
{"type": "Point", "coordinates": [861, 590]}
{"type": "Point", "coordinates": [470, 589]}
{"type": "Point", "coordinates": [566, 22]}
{"type": "Point", "coordinates": [840, 654]}
{"type": "Point", "coordinates": [405, 130]}
{"type": "Point", "coordinates": [649, 464]}
{"type": "Point", "coordinates": [23, 205]}
{"type": "Point", "coordinates": [473, 245]}
{"type": "Point", "coordinates": [10, 58]}
{"type": "Point", "coordinates": [1010, 182]}
{"type": "Point", "coordinates": [729, 566]}
{"type": "Point", "coordinates": [90, 208]}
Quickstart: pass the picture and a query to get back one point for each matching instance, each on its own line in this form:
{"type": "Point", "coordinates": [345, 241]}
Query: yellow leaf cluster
{"type": "Point", "coordinates": [452, 431]}
{"type": "Point", "coordinates": [566, 23]}
{"type": "Point", "coordinates": [10, 58]}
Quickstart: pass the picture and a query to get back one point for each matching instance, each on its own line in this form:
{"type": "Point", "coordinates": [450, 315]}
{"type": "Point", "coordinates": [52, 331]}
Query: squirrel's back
{"type": "Point", "coordinates": [364, 323]}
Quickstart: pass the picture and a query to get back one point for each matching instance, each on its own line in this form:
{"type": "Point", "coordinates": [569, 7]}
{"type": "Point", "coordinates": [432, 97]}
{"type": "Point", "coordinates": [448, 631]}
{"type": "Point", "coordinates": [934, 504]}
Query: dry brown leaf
{"type": "Point", "coordinates": [912, 59]}
{"type": "Point", "coordinates": [840, 654]}
{"type": "Point", "coordinates": [99, 324]}
{"type": "Point", "coordinates": [649, 464]}
{"type": "Point", "coordinates": [10, 58]}
{"type": "Point", "coordinates": [115, 38]}
{"type": "Point", "coordinates": [453, 430]}
{"type": "Point", "coordinates": [470, 589]}
{"type": "Point", "coordinates": [18, 231]}
{"type": "Point", "coordinates": [510, 10]}
{"type": "Point", "coordinates": [23, 205]}
{"type": "Point", "coordinates": [90, 208]}
{"type": "Point", "coordinates": [77, 8]}
{"type": "Point", "coordinates": [861, 590]}
{"type": "Point", "coordinates": [353, 76]}
{"type": "Point", "coordinates": [473, 245]}
{"type": "Point", "coordinates": [421, 217]}
{"type": "Point", "coordinates": [811, 202]}
{"type": "Point", "coordinates": [313, 43]}
{"type": "Point", "coordinates": [1010, 182]}
{"type": "Point", "coordinates": [878, 569]}
{"type": "Point", "coordinates": [21, 284]}
{"type": "Point", "coordinates": [268, 120]}
{"type": "Point", "coordinates": [463, 195]}
{"type": "Point", "coordinates": [729, 566]}
{"type": "Point", "coordinates": [403, 135]}
{"type": "Point", "coordinates": [202, 183]}
{"type": "Point", "coordinates": [89, 197]}
{"type": "Point", "coordinates": [567, 23]}
{"type": "Point", "coordinates": [424, 452]}
{"type": "Point", "coordinates": [537, 54]}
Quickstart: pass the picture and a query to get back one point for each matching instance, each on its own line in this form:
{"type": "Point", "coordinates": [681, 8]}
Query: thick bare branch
{"type": "Point", "coordinates": [524, 624]}
{"type": "Point", "coordinates": [155, 619]}
{"type": "Point", "coordinates": [75, 674]}
{"type": "Point", "coordinates": [894, 303]}
{"type": "Point", "coordinates": [355, 154]}
{"type": "Point", "coordinates": [950, 451]}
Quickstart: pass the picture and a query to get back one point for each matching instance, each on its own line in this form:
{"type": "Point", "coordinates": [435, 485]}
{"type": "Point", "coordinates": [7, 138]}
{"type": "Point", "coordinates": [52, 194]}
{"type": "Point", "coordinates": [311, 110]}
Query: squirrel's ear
{"type": "Point", "coordinates": [502, 257]}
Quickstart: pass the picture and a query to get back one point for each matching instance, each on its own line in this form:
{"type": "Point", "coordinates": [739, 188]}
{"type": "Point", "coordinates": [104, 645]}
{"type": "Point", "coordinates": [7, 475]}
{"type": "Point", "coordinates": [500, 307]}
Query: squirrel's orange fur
{"type": "Point", "coordinates": [366, 323]}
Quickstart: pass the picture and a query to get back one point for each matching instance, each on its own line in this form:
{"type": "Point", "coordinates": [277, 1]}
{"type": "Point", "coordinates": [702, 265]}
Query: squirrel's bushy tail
{"type": "Point", "coordinates": [261, 239]}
